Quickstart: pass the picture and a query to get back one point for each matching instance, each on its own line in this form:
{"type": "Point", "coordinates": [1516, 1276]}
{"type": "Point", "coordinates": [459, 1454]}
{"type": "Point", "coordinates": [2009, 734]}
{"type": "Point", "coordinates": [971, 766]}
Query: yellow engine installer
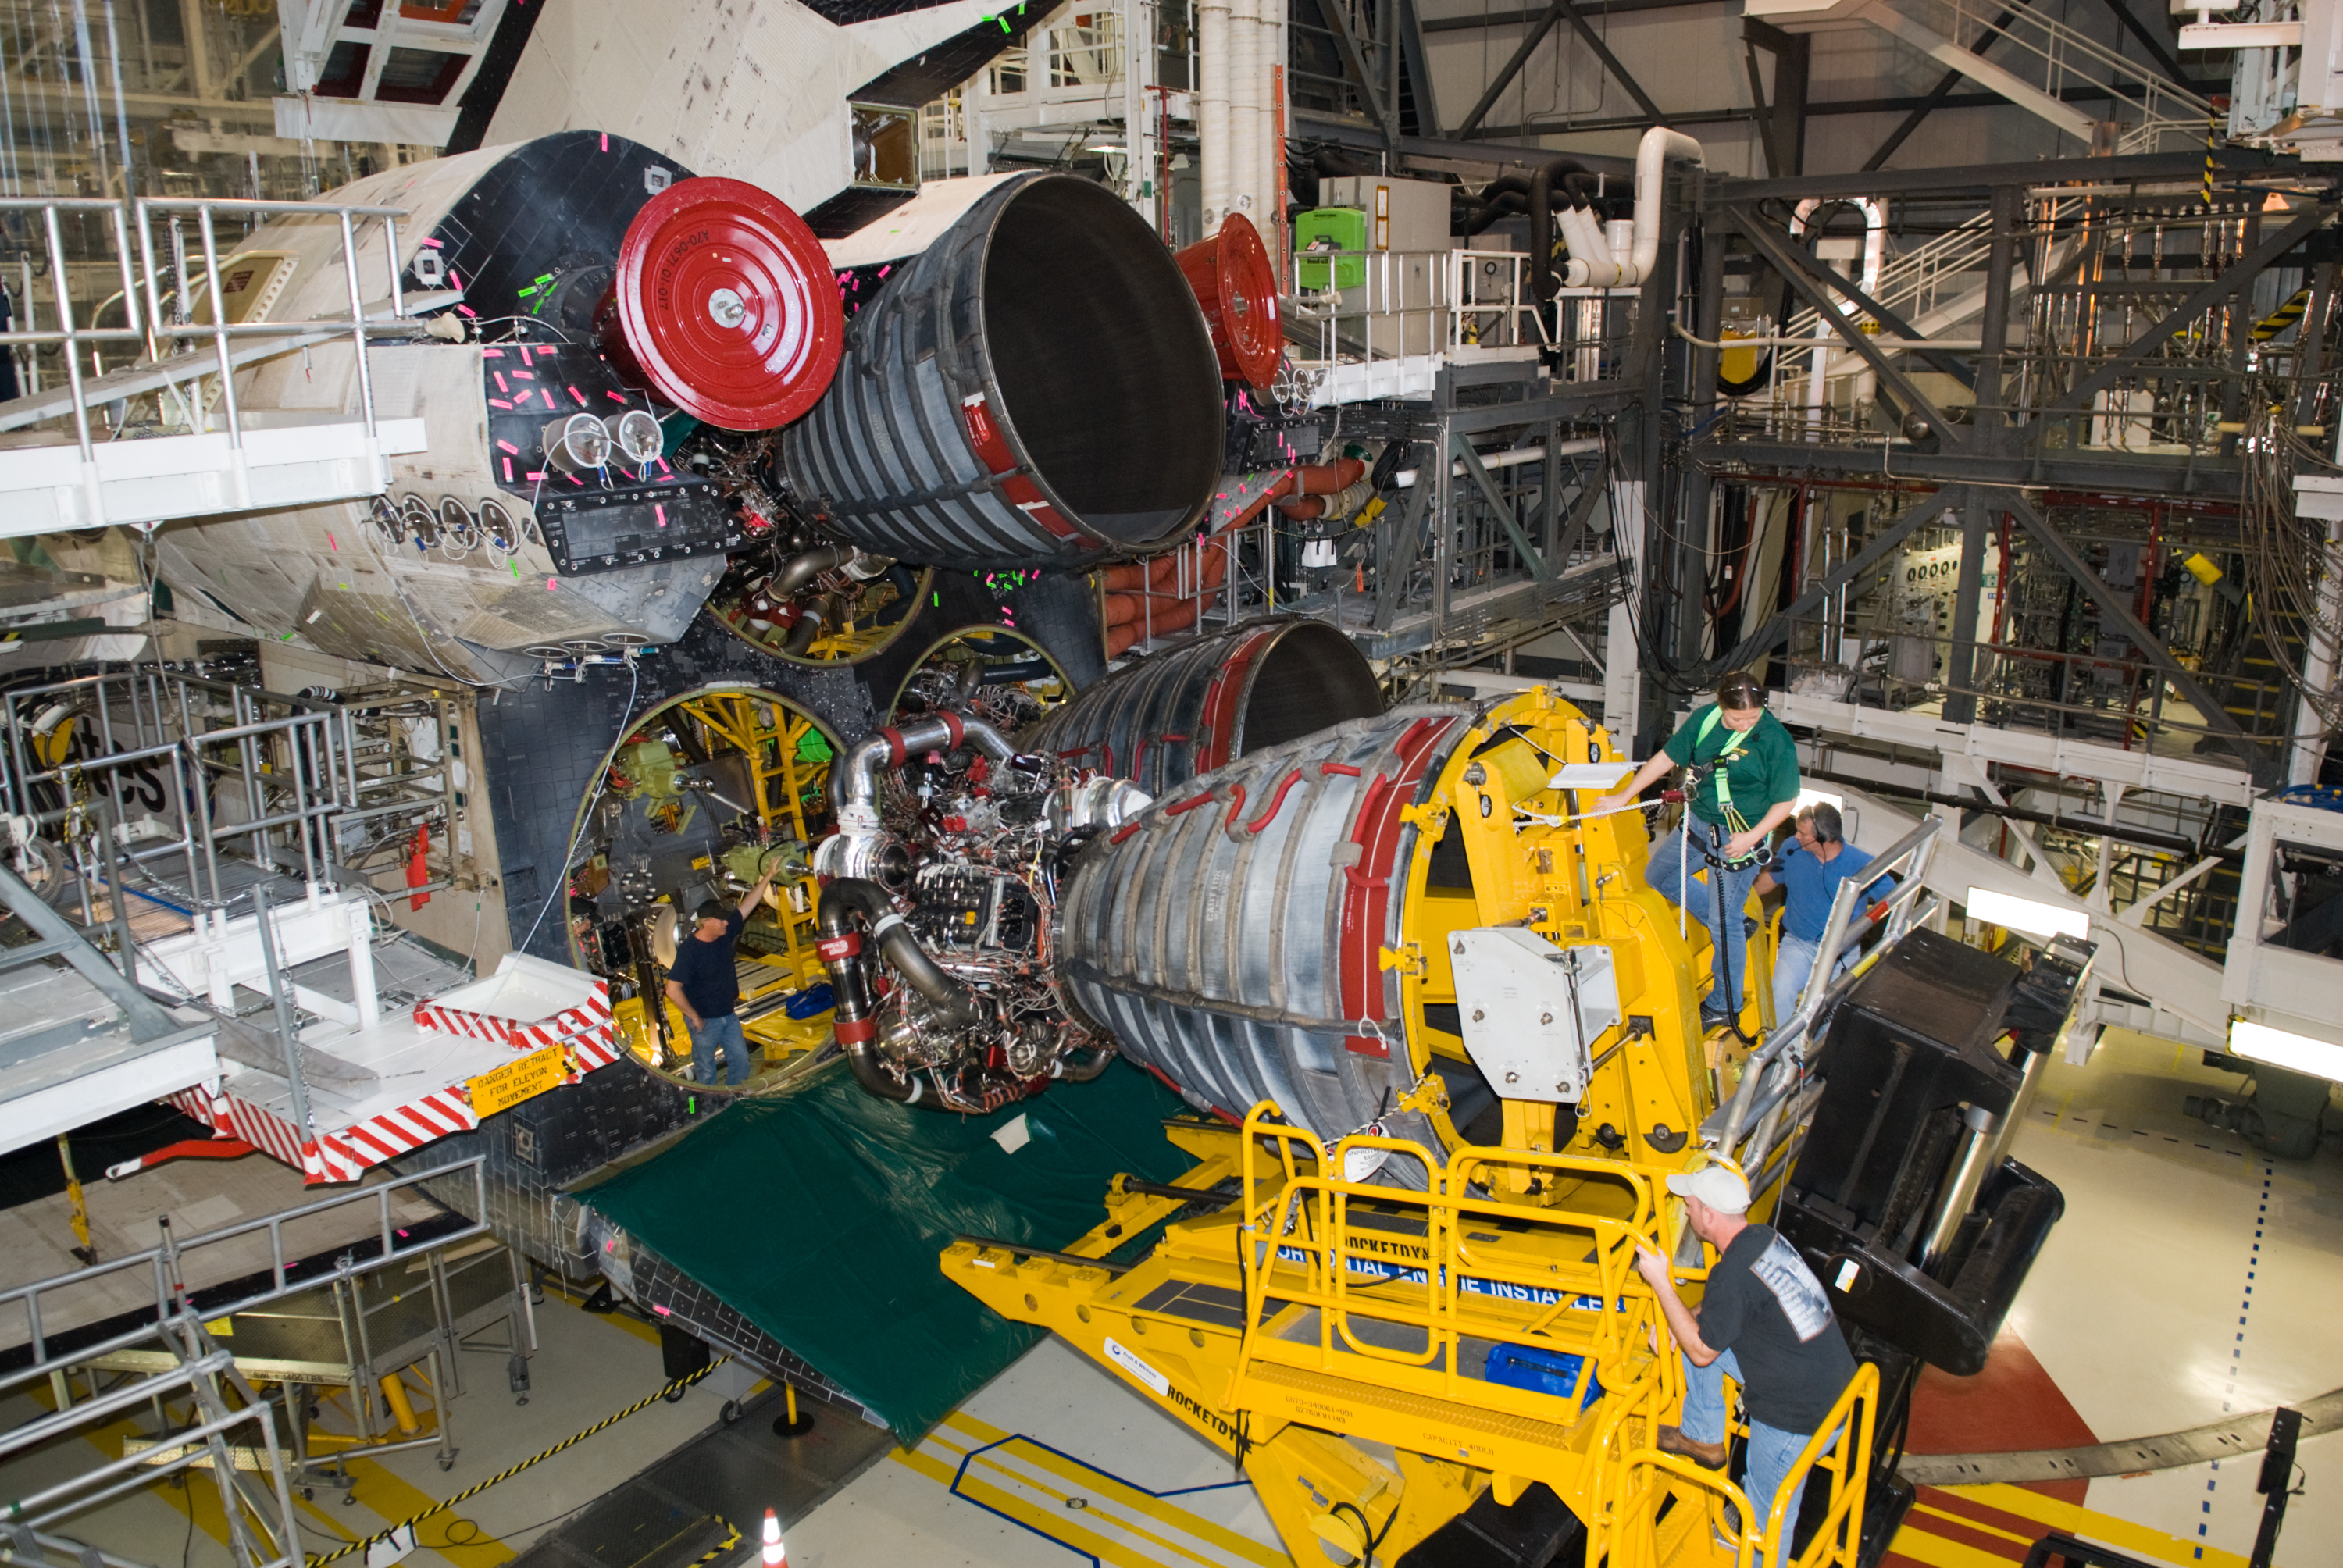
{"type": "Point", "coordinates": [1743, 783]}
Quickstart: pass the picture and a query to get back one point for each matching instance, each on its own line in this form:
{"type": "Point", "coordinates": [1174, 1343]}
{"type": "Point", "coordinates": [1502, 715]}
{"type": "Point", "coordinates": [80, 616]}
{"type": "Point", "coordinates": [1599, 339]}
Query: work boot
{"type": "Point", "coordinates": [1707, 1455]}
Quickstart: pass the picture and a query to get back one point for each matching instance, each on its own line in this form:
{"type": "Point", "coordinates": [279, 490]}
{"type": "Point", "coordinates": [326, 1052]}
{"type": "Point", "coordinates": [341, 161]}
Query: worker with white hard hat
{"type": "Point", "coordinates": [1765, 1323]}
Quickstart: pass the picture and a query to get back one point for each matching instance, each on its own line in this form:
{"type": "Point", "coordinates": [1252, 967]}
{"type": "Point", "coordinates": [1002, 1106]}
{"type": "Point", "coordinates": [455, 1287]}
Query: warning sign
{"type": "Point", "coordinates": [515, 1081]}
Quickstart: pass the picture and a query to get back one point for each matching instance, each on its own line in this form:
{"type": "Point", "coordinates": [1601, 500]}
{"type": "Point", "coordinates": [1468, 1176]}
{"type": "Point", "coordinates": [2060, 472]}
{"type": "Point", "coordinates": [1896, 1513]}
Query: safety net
{"type": "Point", "coordinates": [819, 1214]}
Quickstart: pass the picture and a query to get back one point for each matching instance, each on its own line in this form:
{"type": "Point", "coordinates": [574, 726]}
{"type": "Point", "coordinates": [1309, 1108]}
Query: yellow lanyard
{"type": "Point", "coordinates": [1718, 762]}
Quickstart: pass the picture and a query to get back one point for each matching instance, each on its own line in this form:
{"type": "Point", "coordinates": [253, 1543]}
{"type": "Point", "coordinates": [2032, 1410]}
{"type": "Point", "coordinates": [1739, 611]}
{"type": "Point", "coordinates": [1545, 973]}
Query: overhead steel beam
{"type": "Point", "coordinates": [2238, 275]}
{"type": "Point", "coordinates": [1316, 125]}
{"type": "Point", "coordinates": [1954, 177]}
{"type": "Point", "coordinates": [1793, 265]}
{"type": "Point", "coordinates": [2112, 608]}
{"type": "Point", "coordinates": [1936, 96]}
{"type": "Point", "coordinates": [1593, 41]}
{"type": "Point", "coordinates": [1767, 637]}
{"type": "Point", "coordinates": [1355, 61]}
{"type": "Point", "coordinates": [1480, 21]}
{"type": "Point", "coordinates": [1785, 124]}
{"type": "Point", "coordinates": [1978, 69]}
{"type": "Point", "coordinates": [1418, 61]}
{"type": "Point", "coordinates": [1509, 70]}
{"type": "Point", "coordinates": [2205, 477]}
{"type": "Point", "coordinates": [2149, 41]}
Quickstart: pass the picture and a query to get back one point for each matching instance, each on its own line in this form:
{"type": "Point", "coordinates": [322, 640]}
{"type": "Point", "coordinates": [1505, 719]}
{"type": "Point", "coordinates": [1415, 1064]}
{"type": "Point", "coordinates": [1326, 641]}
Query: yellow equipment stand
{"type": "Point", "coordinates": [1337, 1336]}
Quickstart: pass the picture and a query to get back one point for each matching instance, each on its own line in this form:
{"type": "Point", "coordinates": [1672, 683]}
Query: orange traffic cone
{"type": "Point", "coordinates": [776, 1555]}
{"type": "Point", "coordinates": [417, 872]}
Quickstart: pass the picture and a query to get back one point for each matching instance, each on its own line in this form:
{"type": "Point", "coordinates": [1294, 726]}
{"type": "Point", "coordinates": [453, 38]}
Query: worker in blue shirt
{"type": "Point", "coordinates": [1808, 870]}
{"type": "Point", "coordinates": [1742, 783]}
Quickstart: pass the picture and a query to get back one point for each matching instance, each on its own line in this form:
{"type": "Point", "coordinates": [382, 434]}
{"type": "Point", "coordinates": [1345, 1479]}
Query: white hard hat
{"type": "Point", "coordinates": [1714, 1185]}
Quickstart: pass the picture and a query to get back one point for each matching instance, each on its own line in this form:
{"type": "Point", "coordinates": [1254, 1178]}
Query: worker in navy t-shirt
{"type": "Point", "coordinates": [704, 983]}
{"type": "Point", "coordinates": [1808, 869]}
{"type": "Point", "coordinates": [1765, 1322]}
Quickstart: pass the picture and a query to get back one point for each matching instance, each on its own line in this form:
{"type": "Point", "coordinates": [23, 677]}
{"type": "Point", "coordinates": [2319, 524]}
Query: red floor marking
{"type": "Point", "coordinates": [2012, 1404]}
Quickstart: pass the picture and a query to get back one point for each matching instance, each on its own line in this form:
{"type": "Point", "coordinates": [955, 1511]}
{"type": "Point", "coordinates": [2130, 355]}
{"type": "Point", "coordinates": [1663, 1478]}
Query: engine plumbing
{"type": "Point", "coordinates": [940, 912]}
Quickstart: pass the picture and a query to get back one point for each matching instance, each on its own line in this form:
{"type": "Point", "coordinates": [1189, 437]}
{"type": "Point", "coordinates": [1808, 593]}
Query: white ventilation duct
{"type": "Point", "coordinates": [1212, 109]}
{"type": "Point", "coordinates": [1593, 264]}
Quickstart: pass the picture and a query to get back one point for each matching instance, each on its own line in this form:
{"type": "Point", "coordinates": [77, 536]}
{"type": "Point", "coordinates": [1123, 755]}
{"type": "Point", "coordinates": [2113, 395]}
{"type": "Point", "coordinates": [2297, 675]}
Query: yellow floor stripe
{"type": "Point", "coordinates": [1076, 1504]}
{"type": "Point", "coordinates": [2119, 1533]}
{"type": "Point", "coordinates": [1938, 1552]}
{"type": "Point", "coordinates": [626, 1320]}
{"type": "Point", "coordinates": [1165, 1520]}
{"type": "Point", "coordinates": [2023, 1542]}
{"type": "Point", "coordinates": [375, 1486]}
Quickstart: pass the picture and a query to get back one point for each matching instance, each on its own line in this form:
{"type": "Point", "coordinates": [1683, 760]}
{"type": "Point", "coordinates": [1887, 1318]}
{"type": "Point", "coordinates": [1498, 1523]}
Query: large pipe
{"type": "Point", "coordinates": [1172, 715]}
{"type": "Point", "coordinates": [1036, 388]}
{"type": "Point", "coordinates": [1244, 108]}
{"type": "Point", "coordinates": [1212, 114]}
{"type": "Point", "coordinates": [1540, 197]}
{"type": "Point", "coordinates": [843, 957]}
{"type": "Point", "coordinates": [854, 778]}
{"type": "Point", "coordinates": [1659, 146]}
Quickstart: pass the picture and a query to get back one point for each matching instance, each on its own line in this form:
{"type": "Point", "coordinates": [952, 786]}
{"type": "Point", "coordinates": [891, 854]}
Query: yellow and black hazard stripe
{"type": "Point", "coordinates": [679, 1385]}
{"type": "Point", "coordinates": [2284, 316]}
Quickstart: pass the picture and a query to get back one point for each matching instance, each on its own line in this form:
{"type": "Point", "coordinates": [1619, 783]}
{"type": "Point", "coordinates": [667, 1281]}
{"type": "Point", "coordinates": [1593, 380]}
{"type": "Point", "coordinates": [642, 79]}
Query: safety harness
{"type": "Point", "coordinates": [1733, 821]}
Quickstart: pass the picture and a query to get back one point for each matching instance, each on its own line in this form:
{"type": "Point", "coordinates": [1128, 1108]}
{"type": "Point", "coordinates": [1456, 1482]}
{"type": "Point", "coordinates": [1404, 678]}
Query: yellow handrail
{"type": "Point", "coordinates": [1306, 1224]}
{"type": "Point", "coordinates": [1841, 1445]}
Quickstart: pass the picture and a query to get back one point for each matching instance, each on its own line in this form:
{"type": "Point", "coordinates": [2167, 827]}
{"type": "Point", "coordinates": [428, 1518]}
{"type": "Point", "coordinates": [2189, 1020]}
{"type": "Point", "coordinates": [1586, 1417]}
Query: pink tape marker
{"type": "Point", "coordinates": [509, 478]}
{"type": "Point", "coordinates": [662, 509]}
{"type": "Point", "coordinates": [552, 583]}
{"type": "Point", "coordinates": [579, 396]}
{"type": "Point", "coordinates": [505, 445]}
{"type": "Point", "coordinates": [500, 403]}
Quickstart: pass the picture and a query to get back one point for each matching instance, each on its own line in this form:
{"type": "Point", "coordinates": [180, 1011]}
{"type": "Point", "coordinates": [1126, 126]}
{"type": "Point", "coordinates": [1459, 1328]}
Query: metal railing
{"type": "Point", "coordinates": [198, 1370]}
{"type": "Point", "coordinates": [160, 334]}
{"type": "Point", "coordinates": [166, 1264]}
{"type": "Point", "coordinates": [1840, 1448]}
{"type": "Point", "coordinates": [2058, 56]}
{"type": "Point", "coordinates": [310, 770]}
{"type": "Point", "coordinates": [1302, 1247]}
{"type": "Point", "coordinates": [1762, 1112]}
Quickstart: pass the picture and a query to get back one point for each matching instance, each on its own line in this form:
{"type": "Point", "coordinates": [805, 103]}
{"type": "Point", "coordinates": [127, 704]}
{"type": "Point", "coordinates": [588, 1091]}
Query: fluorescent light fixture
{"type": "Point", "coordinates": [1821, 798]}
{"type": "Point", "coordinates": [2279, 1048]}
{"type": "Point", "coordinates": [2027, 915]}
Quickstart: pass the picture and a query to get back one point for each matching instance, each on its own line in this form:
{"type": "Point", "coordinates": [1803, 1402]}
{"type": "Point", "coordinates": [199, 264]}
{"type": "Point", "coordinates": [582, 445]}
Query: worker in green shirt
{"type": "Point", "coordinates": [1743, 784]}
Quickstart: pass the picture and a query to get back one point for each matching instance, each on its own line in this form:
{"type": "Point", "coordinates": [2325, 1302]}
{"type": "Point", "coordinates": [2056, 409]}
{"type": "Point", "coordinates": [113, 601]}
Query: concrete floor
{"type": "Point", "coordinates": [2151, 1309]}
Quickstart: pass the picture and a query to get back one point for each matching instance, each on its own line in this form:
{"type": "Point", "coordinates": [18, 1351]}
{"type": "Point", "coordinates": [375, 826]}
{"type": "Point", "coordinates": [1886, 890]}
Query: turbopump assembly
{"type": "Point", "coordinates": [948, 869]}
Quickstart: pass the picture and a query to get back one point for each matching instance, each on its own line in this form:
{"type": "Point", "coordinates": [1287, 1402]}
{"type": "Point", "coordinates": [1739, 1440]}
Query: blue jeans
{"type": "Point", "coordinates": [1699, 901]}
{"type": "Point", "coordinates": [715, 1034]}
{"type": "Point", "coordinates": [1792, 964]}
{"type": "Point", "coordinates": [1771, 1451]}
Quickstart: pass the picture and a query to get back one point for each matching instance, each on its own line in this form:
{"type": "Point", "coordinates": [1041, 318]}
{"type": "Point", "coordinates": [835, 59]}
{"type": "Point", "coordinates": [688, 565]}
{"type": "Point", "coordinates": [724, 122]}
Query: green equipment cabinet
{"type": "Point", "coordinates": [1330, 228]}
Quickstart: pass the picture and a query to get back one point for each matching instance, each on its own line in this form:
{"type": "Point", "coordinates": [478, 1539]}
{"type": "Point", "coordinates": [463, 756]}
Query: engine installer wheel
{"type": "Point", "coordinates": [723, 302]}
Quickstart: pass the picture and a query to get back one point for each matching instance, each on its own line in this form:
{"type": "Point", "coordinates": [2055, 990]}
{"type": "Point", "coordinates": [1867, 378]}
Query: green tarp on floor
{"type": "Point", "coordinates": [818, 1215]}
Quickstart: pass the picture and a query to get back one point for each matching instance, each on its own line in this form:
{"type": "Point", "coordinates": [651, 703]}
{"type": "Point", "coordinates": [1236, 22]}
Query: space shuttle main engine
{"type": "Point", "coordinates": [1167, 718]}
{"type": "Point", "coordinates": [955, 846]}
{"type": "Point", "coordinates": [1036, 388]}
{"type": "Point", "coordinates": [584, 303]}
{"type": "Point", "coordinates": [1452, 1033]}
